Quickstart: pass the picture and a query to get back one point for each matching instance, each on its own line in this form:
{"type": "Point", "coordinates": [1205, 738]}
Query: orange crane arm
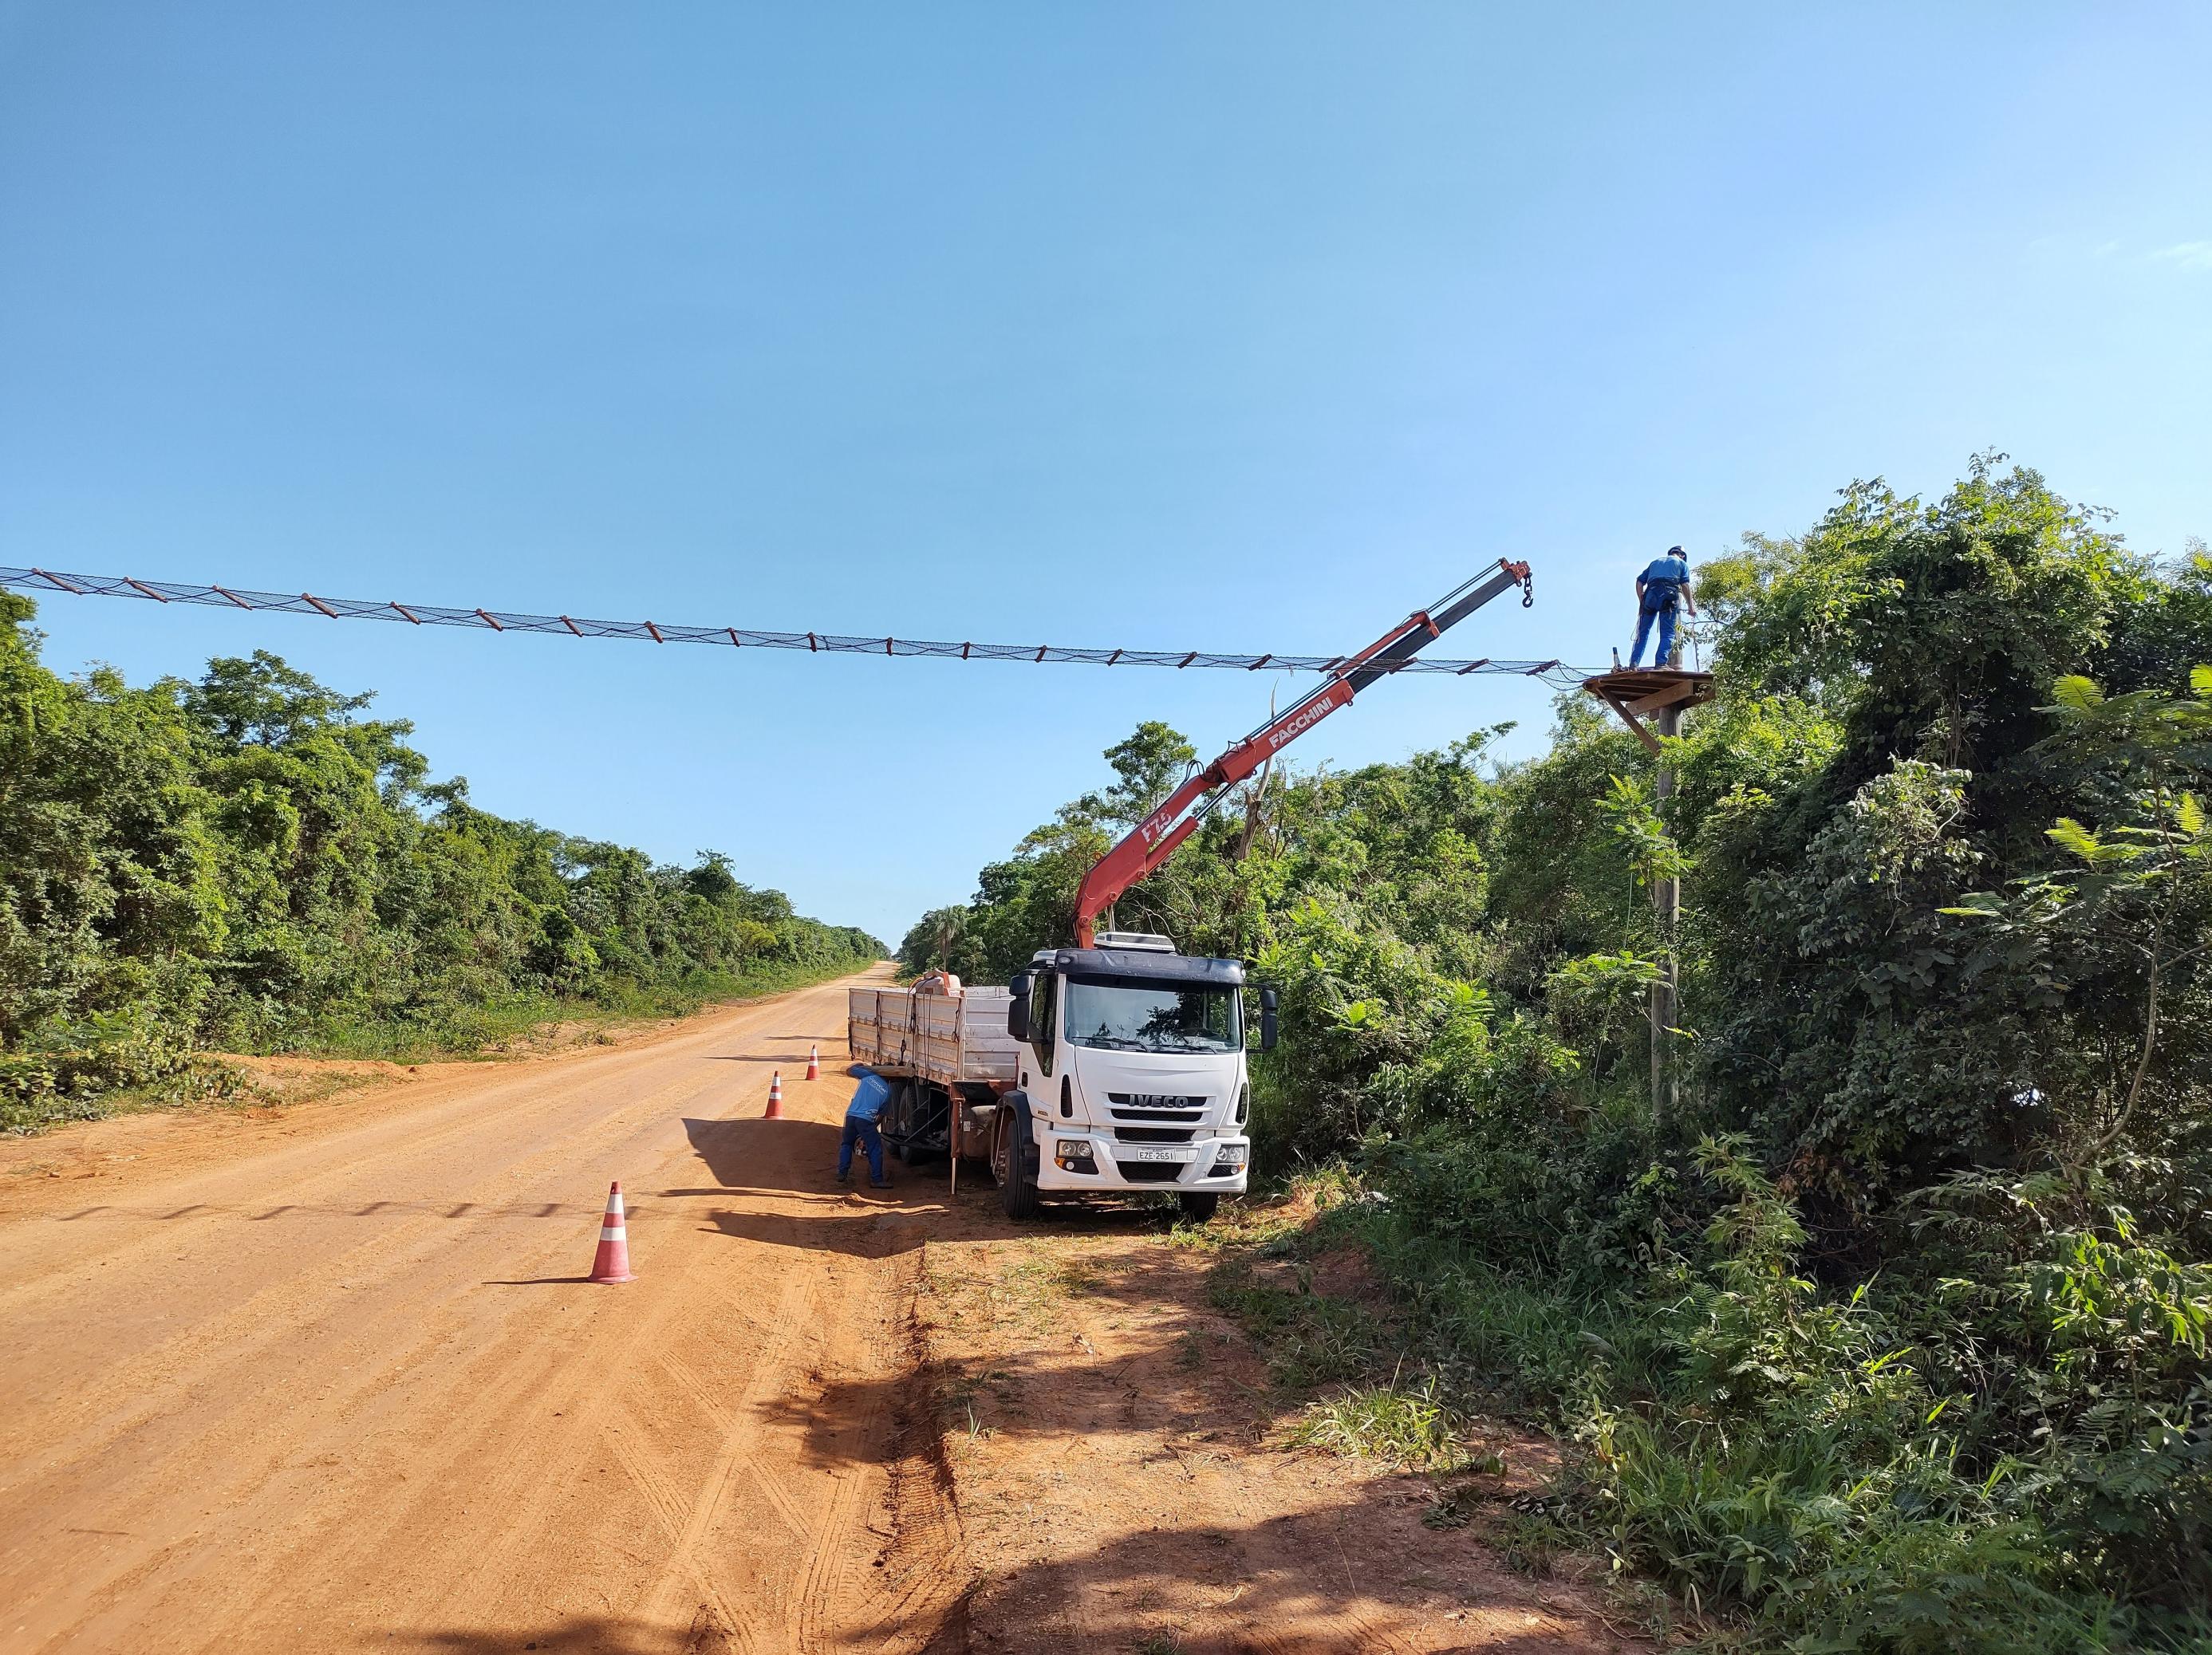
{"type": "Point", "coordinates": [1156, 836]}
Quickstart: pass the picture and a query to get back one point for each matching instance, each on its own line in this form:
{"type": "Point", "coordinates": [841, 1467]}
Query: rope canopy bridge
{"type": "Point", "coordinates": [1557, 674]}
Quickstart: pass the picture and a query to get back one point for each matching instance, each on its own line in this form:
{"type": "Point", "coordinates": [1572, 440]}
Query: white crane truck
{"type": "Point", "coordinates": [1115, 1065]}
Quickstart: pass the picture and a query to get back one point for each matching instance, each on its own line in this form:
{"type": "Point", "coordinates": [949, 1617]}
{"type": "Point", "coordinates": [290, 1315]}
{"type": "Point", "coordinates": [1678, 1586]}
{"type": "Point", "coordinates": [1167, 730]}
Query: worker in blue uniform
{"type": "Point", "coordinates": [1663, 585]}
{"type": "Point", "coordinates": [861, 1117]}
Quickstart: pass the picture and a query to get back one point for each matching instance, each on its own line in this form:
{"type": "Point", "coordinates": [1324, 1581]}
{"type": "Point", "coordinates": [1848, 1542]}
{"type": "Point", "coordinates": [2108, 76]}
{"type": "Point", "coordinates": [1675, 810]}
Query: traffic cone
{"type": "Point", "coordinates": [612, 1263]}
{"type": "Point", "coordinates": [813, 1062]}
{"type": "Point", "coordinates": [774, 1110]}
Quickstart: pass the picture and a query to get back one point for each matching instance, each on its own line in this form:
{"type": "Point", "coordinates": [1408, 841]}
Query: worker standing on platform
{"type": "Point", "coordinates": [1663, 585]}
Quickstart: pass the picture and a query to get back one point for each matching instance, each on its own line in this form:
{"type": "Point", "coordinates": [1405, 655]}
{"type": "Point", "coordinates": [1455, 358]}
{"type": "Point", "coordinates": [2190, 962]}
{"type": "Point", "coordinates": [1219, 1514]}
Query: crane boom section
{"type": "Point", "coordinates": [1174, 821]}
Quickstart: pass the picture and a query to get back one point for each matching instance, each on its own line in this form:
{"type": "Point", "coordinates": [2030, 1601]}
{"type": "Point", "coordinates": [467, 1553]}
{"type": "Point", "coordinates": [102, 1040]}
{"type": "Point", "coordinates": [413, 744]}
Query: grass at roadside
{"type": "Point", "coordinates": [1804, 1472]}
{"type": "Point", "coordinates": [1404, 1425]}
{"type": "Point", "coordinates": [1377, 1355]}
{"type": "Point", "coordinates": [522, 1022]}
{"type": "Point", "coordinates": [1195, 1429]}
{"type": "Point", "coordinates": [1309, 1338]}
{"type": "Point", "coordinates": [511, 1026]}
{"type": "Point", "coordinates": [201, 1081]}
{"type": "Point", "coordinates": [212, 1083]}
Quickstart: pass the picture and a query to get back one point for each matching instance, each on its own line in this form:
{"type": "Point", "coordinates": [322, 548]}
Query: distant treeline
{"type": "Point", "coordinates": [249, 863]}
{"type": "Point", "coordinates": [1892, 1335]}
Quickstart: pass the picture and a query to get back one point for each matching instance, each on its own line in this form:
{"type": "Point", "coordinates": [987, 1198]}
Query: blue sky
{"type": "Point", "coordinates": [1174, 325]}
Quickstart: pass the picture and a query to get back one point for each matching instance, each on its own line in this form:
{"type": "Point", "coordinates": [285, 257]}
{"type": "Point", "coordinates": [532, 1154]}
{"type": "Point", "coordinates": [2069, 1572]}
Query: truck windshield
{"type": "Point", "coordinates": [1124, 1015]}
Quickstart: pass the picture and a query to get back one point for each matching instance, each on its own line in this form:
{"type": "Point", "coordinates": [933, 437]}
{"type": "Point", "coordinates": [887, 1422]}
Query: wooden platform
{"type": "Point", "coordinates": [1635, 692]}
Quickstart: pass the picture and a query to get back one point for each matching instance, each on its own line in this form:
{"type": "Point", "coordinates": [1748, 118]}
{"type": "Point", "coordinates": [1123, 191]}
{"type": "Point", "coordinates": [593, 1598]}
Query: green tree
{"type": "Point", "coordinates": [248, 861]}
{"type": "Point", "coordinates": [1895, 1340]}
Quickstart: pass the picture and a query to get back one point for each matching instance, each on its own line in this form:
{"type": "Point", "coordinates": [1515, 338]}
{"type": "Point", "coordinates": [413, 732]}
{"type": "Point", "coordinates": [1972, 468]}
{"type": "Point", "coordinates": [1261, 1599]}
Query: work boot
{"type": "Point", "coordinates": [880, 1183]}
{"type": "Point", "coordinates": [844, 1178]}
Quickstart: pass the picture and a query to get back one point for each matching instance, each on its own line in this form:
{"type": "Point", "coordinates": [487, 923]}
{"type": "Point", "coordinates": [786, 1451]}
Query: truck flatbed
{"type": "Point", "coordinates": [952, 1038]}
{"type": "Point", "coordinates": [936, 1048]}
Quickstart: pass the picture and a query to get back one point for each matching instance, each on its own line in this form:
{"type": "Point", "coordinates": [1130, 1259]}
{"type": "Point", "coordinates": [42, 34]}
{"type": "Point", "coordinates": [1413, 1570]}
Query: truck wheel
{"type": "Point", "coordinates": [1197, 1206]}
{"type": "Point", "coordinates": [1011, 1164]}
{"type": "Point", "coordinates": [898, 1123]}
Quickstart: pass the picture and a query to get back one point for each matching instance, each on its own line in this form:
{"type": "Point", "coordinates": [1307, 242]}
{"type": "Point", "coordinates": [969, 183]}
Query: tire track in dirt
{"type": "Point", "coordinates": [125, 1396]}
{"type": "Point", "coordinates": [883, 1569]}
{"type": "Point", "coordinates": [740, 1444]}
{"type": "Point", "coordinates": [344, 1391]}
{"type": "Point", "coordinates": [826, 1588]}
{"type": "Point", "coordinates": [771, 1485]}
{"type": "Point", "coordinates": [923, 1561]}
{"type": "Point", "coordinates": [185, 1398]}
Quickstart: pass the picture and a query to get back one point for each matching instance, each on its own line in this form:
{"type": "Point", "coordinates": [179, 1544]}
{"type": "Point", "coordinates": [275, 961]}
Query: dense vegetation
{"type": "Point", "coordinates": [246, 862]}
{"type": "Point", "coordinates": [1891, 1334]}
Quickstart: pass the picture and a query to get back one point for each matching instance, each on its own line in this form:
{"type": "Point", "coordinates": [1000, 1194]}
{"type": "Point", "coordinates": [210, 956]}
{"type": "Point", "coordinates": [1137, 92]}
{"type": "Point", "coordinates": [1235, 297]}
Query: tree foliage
{"type": "Point", "coordinates": [248, 861]}
{"type": "Point", "coordinates": [1895, 1338]}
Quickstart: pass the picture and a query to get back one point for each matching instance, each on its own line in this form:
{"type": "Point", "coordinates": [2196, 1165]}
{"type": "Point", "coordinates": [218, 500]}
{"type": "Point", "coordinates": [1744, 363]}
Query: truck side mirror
{"type": "Point", "coordinates": [1270, 1025]}
{"type": "Point", "coordinates": [1018, 1008]}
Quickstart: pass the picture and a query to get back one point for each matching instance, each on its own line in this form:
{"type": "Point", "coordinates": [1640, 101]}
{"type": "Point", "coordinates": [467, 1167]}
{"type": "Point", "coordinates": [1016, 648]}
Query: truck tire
{"type": "Point", "coordinates": [1198, 1205]}
{"type": "Point", "coordinates": [1013, 1162]}
{"type": "Point", "coordinates": [897, 1124]}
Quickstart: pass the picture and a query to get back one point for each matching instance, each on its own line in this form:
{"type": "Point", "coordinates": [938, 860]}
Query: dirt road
{"type": "Point", "coordinates": [329, 1379]}
{"type": "Point", "coordinates": [341, 1386]}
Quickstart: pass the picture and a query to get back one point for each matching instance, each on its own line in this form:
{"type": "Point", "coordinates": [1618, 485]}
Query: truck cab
{"type": "Point", "coordinates": [1132, 1076]}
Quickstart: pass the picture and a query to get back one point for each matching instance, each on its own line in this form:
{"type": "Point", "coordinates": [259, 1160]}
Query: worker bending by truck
{"type": "Point", "coordinates": [1663, 588]}
{"type": "Point", "coordinates": [860, 1118]}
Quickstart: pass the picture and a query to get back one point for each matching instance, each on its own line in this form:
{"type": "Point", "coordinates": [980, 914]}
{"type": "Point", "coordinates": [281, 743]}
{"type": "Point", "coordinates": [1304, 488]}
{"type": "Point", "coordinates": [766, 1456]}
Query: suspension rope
{"type": "Point", "coordinates": [1555, 673]}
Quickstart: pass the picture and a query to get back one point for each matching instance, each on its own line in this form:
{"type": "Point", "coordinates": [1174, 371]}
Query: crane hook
{"type": "Point", "coordinates": [1529, 591]}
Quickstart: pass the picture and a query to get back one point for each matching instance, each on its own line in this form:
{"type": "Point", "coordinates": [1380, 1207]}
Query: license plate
{"type": "Point", "coordinates": [1153, 1152]}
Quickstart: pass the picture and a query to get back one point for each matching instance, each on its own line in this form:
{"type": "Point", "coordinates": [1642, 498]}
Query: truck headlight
{"type": "Point", "coordinates": [1072, 1156]}
{"type": "Point", "coordinates": [1231, 1154]}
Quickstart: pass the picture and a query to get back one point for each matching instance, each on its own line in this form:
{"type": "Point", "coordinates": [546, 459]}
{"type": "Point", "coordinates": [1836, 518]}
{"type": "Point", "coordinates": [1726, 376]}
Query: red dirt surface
{"type": "Point", "coordinates": [329, 1377]}
{"type": "Point", "coordinates": [1124, 1483]}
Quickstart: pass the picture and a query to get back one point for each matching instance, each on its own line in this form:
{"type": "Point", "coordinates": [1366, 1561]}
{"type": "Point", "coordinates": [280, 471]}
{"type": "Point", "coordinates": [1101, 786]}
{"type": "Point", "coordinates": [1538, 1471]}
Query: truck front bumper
{"type": "Point", "coordinates": [1075, 1159]}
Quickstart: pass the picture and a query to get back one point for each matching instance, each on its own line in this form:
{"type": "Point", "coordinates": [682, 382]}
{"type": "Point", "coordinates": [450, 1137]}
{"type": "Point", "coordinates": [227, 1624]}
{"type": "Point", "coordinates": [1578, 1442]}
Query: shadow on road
{"type": "Point", "coordinates": [1326, 1571]}
{"type": "Point", "coordinates": [799, 1045]}
{"type": "Point", "coordinates": [795, 1161]}
{"type": "Point", "coordinates": [472, 1211]}
{"type": "Point", "coordinates": [1169, 1587]}
{"type": "Point", "coordinates": [787, 1159]}
{"type": "Point", "coordinates": [750, 1153]}
{"type": "Point", "coordinates": [946, 1632]}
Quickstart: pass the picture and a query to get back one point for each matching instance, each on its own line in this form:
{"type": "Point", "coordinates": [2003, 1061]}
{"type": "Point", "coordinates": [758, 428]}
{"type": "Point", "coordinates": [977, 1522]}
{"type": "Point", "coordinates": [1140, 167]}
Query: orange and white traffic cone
{"type": "Point", "coordinates": [813, 1062]}
{"type": "Point", "coordinates": [612, 1263]}
{"type": "Point", "coordinates": [774, 1110]}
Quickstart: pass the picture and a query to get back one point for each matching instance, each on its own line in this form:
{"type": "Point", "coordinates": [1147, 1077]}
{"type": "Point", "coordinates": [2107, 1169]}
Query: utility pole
{"type": "Point", "coordinates": [1659, 694]}
{"type": "Point", "coordinates": [1667, 908]}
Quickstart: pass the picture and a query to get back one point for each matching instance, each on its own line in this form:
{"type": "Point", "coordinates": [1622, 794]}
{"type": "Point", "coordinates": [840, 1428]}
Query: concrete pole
{"type": "Point", "coordinates": [1667, 905]}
